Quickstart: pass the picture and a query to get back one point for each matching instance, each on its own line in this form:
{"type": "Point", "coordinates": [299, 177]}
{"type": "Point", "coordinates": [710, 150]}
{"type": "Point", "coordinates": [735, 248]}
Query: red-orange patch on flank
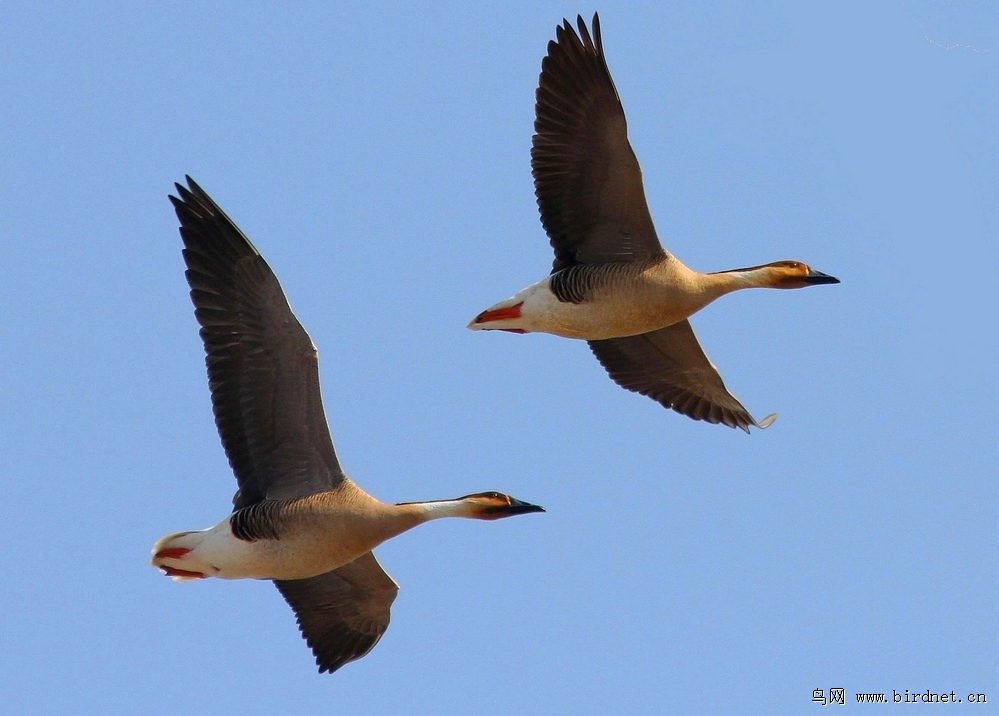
{"type": "Point", "coordinates": [172, 553]}
{"type": "Point", "coordinates": [499, 314]}
{"type": "Point", "coordinates": [171, 572]}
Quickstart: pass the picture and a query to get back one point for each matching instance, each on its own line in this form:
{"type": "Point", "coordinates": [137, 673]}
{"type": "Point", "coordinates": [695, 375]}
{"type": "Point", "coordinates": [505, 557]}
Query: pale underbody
{"type": "Point", "coordinates": [625, 305]}
{"type": "Point", "coordinates": [314, 538]}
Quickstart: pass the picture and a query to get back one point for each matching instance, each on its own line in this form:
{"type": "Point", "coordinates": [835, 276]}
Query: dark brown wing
{"type": "Point", "coordinates": [586, 177]}
{"type": "Point", "coordinates": [670, 367]}
{"type": "Point", "coordinates": [342, 614]}
{"type": "Point", "coordinates": [263, 370]}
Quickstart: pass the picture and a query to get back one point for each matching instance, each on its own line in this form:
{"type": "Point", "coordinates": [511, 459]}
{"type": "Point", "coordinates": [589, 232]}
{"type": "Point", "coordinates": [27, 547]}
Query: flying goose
{"type": "Point", "coordinates": [297, 518]}
{"type": "Point", "coordinates": [612, 283]}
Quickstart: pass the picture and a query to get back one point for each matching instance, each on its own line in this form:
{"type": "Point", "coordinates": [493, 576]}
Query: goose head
{"type": "Point", "coordinates": [795, 274]}
{"type": "Point", "coordinates": [495, 505]}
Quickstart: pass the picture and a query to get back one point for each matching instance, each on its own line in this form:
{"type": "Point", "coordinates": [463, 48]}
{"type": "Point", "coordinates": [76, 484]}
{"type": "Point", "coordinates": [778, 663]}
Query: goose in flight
{"type": "Point", "coordinates": [612, 283]}
{"type": "Point", "coordinates": [297, 518]}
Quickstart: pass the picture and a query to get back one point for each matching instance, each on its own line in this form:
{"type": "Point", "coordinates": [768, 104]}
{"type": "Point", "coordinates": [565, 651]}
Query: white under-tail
{"type": "Point", "coordinates": [214, 552]}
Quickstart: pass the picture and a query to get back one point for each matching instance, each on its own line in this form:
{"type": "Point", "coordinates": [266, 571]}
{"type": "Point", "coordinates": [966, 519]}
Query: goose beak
{"type": "Point", "coordinates": [518, 507]}
{"type": "Point", "coordinates": [816, 277]}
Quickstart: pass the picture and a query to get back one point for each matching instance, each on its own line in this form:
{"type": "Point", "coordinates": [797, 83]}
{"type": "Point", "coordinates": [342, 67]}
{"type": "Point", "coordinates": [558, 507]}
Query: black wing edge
{"type": "Point", "coordinates": [342, 614]}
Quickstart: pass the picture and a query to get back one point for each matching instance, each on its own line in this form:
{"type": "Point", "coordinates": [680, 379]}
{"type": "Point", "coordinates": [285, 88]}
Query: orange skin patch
{"type": "Point", "coordinates": [500, 314]}
{"type": "Point", "coordinates": [172, 553]}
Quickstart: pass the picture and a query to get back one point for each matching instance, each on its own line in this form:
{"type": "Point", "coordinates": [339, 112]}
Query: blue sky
{"type": "Point", "coordinates": [377, 155]}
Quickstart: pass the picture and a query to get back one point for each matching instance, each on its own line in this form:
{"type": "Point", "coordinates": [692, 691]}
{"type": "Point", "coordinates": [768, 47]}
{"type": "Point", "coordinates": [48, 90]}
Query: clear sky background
{"type": "Point", "coordinates": [378, 156]}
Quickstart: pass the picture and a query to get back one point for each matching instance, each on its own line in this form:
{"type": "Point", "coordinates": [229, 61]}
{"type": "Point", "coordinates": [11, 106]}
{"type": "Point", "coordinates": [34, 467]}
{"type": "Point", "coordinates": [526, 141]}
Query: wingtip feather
{"type": "Point", "coordinates": [767, 421]}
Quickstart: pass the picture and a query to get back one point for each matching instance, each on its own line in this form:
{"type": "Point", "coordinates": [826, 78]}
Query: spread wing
{"type": "Point", "coordinates": [586, 177]}
{"type": "Point", "coordinates": [342, 614]}
{"type": "Point", "coordinates": [670, 367]}
{"type": "Point", "coordinates": [263, 370]}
